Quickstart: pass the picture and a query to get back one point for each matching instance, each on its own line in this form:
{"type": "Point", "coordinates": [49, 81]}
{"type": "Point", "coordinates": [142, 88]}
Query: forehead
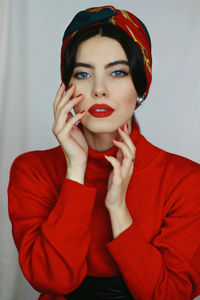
{"type": "Point", "coordinates": [100, 48]}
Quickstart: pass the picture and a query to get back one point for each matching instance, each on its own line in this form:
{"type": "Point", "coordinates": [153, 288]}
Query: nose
{"type": "Point", "coordinates": [99, 89]}
{"type": "Point", "coordinates": [99, 94]}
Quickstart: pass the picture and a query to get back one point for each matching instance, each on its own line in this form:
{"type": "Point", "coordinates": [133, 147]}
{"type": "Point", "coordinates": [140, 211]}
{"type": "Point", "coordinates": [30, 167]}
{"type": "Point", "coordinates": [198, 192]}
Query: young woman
{"type": "Point", "coordinates": [106, 215]}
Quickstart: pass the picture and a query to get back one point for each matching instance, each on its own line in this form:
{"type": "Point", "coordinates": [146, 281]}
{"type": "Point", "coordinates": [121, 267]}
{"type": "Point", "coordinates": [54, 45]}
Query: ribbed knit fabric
{"type": "Point", "coordinates": [62, 229]}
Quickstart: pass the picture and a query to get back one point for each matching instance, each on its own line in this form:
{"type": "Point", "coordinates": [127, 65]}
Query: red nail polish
{"type": "Point", "coordinates": [82, 111]}
{"type": "Point", "coordinates": [70, 85]}
{"type": "Point", "coordinates": [116, 140]}
{"type": "Point", "coordinates": [79, 95]}
{"type": "Point", "coordinates": [61, 84]}
{"type": "Point", "coordinates": [127, 125]}
{"type": "Point", "coordinates": [122, 128]}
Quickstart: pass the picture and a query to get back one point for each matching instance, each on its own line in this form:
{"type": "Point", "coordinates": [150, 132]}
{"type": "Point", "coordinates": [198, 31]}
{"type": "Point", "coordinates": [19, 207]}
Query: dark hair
{"type": "Point", "coordinates": [132, 50]}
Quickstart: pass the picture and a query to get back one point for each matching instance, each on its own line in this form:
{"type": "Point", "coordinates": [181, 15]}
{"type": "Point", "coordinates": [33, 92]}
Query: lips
{"type": "Point", "coordinates": [100, 106]}
{"type": "Point", "coordinates": [100, 110]}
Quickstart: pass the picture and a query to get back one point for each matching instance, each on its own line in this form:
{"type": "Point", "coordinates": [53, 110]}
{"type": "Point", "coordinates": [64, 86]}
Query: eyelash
{"type": "Point", "coordinates": [79, 74]}
{"type": "Point", "coordinates": [120, 71]}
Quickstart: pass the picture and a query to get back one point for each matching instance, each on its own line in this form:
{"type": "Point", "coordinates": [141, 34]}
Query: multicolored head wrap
{"type": "Point", "coordinates": [121, 18]}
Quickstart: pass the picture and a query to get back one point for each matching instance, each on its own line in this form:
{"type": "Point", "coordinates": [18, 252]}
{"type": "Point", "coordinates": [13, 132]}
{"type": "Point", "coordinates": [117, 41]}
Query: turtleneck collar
{"type": "Point", "coordinates": [99, 168]}
{"type": "Point", "coordinates": [97, 163]}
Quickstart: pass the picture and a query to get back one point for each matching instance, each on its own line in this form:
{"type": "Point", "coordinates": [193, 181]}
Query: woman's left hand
{"type": "Point", "coordinates": [123, 166]}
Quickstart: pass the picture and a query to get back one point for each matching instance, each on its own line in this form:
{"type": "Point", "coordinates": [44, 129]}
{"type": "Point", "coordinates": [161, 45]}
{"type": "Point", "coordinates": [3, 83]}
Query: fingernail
{"type": "Point", "coordinates": [61, 84]}
{"type": "Point", "coordinates": [127, 125]}
{"type": "Point", "coordinates": [122, 128]}
{"type": "Point", "coordinates": [79, 95]}
{"type": "Point", "coordinates": [70, 85]}
{"type": "Point", "coordinates": [82, 111]}
{"type": "Point", "coordinates": [116, 140]}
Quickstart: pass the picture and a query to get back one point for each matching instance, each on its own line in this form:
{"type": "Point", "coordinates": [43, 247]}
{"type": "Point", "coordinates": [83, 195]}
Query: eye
{"type": "Point", "coordinates": [119, 73]}
{"type": "Point", "coordinates": [81, 75]}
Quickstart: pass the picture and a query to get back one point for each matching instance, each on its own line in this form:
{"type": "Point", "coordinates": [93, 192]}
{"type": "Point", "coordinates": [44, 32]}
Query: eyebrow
{"type": "Point", "coordinates": [117, 62]}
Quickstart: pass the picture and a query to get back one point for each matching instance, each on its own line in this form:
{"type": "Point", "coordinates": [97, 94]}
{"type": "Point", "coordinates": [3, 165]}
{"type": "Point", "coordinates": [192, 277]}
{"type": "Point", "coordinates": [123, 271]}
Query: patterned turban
{"type": "Point", "coordinates": [128, 22]}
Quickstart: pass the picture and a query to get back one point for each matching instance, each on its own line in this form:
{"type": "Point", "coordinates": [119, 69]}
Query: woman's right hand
{"type": "Point", "coordinates": [70, 137]}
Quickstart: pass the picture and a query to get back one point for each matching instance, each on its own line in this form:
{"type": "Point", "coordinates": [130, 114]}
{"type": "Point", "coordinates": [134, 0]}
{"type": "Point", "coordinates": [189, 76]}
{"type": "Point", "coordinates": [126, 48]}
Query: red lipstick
{"type": "Point", "coordinates": [100, 110]}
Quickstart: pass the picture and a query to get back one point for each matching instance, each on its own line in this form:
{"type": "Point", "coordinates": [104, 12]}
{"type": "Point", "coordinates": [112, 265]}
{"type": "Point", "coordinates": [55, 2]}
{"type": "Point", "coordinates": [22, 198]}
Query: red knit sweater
{"type": "Point", "coordinates": [62, 229]}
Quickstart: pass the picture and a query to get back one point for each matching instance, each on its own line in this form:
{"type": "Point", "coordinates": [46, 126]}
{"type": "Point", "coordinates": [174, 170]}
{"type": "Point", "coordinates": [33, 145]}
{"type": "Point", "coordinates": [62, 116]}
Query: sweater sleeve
{"type": "Point", "coordinates": [167, 267]}
{"type": "Point", "coordinates": [51, 232]}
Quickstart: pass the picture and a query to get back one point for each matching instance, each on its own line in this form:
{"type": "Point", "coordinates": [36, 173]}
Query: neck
{"type": "Point", "coordinates": [103, 141]}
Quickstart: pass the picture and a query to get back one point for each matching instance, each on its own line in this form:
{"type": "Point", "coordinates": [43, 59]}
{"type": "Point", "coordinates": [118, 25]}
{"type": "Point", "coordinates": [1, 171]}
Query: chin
{"type": "Point", "coordinates": [99, 127]}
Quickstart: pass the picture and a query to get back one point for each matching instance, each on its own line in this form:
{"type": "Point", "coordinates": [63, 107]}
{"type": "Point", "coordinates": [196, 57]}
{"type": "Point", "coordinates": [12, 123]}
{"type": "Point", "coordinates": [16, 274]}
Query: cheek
{"type": "Point", "coordinates": [84, 90]}
{"type": "Point", "coordinates": [81, 85]}
{"type": "Point", "coordinates": [132, 96]}
{"type": "Point", "coordinates": [127, 93]}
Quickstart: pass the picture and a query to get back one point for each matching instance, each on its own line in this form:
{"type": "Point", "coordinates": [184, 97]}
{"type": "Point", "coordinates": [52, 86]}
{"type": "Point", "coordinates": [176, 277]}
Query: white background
{"type": "Point", "coordinates": [30, 41]}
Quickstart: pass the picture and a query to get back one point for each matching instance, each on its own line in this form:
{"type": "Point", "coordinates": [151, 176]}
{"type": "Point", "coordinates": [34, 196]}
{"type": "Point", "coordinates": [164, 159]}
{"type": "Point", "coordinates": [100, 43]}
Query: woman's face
{"type": "Point", "coordinates": [102, 75]}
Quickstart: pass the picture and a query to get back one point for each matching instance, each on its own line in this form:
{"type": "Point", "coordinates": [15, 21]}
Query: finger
{"type": "Point", "coordinates": [119, 155]}
{"type": "Point", "coordinates": [75, 118]}
{"type": "Point", "coordinates": [61, 120]}
{"type": "Point", "coordinates": [128, 155]}
{"type": "Point", "coordinates": [59, 93]}
{"type": "Point", "coordinates": [64, 98]}
{"type": "Point", "coordinates": [127, 140]}
{"type": "Point", "coordinates": [72, 121]}
{"type": "Point", "coordinates": [126, 128]}
{"type": "Point", "coordinates": [68, 96]}
{"type": "Point", "coordinates": [116, 169]}
{"type": "Point", "coordinates": [63, 110]}
{"type": "Point", "coordinates": [65, 114]}
{"type": "Point", "coordinates": [65, 129]}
